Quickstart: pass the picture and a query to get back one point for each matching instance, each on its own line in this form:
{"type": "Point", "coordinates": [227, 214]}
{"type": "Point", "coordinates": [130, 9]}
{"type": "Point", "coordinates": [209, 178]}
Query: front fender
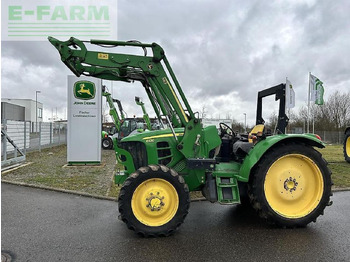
{"type": "Point", "coordinates": [265, 145]}
{"type": "Point", "coordinates": [124, 158]}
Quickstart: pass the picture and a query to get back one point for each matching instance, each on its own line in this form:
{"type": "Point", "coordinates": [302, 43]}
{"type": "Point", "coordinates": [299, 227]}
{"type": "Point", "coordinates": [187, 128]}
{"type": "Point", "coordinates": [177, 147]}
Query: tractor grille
{"type": "Point", "coordinates": [181, 165]}
{"type": "Point", "coordinates": [164, 153]}
{"type": "Point", "coordinates": [137, 151]}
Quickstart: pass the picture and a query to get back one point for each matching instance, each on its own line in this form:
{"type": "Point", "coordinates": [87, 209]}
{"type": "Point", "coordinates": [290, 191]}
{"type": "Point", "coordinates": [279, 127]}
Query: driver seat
{"type": "Point", "coordinates": [242, 147]}
{"type": "Point", "coordinates": [256, 132]}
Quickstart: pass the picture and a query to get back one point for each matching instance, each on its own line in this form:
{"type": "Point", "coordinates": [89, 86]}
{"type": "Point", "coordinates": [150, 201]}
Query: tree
{"type": "Point", "coordinates": [271, 124]}
{"type": "Point", "coordinates": [334, 115]}
{"type": "Point", "coordinates": [237, 127]}
{"type": "Point", "coordinates": [338, 109]}
{"type": "Point", "coordinates": [203, 112]}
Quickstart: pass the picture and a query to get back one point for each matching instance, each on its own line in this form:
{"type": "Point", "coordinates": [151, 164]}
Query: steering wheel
{"type": "Point", "coordinates": [225, 129]}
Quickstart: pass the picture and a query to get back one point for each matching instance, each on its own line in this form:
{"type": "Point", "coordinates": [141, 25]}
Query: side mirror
{"type": "Point", "coordinates": [137, 99]}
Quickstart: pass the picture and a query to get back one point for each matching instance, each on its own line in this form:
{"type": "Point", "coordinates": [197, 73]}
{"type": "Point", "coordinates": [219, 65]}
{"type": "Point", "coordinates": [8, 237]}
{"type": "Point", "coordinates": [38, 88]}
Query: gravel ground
{"type": "Point", "coordinates": [48, 168]}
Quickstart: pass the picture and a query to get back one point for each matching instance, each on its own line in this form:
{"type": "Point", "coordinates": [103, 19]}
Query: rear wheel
{"type": "Point", "coordinates": [291, 186]}
{"type": "Point", "coordinates": [154, 201]}
{"type": "Point", "coordinates": [347, 146]}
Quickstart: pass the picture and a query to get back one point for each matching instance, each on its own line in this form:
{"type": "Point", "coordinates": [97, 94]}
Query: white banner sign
{"type": "Point", "coordinates": [84, 120]}
{"type": "Point", "coordinates": [290, 95]}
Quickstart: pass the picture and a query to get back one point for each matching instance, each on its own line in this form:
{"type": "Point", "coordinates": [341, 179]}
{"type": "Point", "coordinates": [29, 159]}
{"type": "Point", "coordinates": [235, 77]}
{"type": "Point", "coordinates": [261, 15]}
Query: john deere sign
{"type": "Point", "coordinates": [84, 90]}
{"type": "Point", "coordinates": [84, 120]}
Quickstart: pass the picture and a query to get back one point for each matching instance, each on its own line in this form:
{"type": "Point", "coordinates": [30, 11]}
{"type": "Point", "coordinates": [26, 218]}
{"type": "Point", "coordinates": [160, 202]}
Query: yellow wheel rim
{"type": "Point", "coordinates": [347, 146]}
{"type": "Point", "coordinates": [155, 202]}
{"type": "Point", "coordinates": [293, 186]}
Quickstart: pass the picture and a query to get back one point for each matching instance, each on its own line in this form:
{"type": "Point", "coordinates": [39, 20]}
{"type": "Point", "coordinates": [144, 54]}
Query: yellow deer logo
{"type": "Point", "coordinates": [84, 91]}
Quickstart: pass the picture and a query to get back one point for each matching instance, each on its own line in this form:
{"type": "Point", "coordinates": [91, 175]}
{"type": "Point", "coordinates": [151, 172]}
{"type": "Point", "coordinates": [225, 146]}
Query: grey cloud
{"type": "Point", "coordinates": [31, 52]}
{"type": "Point", "coordinates": [223, 52]}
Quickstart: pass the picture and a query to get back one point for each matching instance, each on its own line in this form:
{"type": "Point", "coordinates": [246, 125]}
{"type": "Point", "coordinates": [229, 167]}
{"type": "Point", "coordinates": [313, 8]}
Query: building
{"type": "Point", "coordinates": [13, 110]}
{"type": "Point", "coordinates": [216, 122]}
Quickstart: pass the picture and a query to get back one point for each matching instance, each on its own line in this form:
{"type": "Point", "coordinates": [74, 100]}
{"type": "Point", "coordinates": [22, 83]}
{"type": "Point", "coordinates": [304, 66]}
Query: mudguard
{"type": "Point", "coordinates": [263, 146]}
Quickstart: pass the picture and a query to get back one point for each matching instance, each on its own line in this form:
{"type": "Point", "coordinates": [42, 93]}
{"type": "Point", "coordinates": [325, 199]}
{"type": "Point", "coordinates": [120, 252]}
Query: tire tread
{"type": "Point", "coordinates": [124, 195]}
{"type": "Point", "coordinates": [255, 191]}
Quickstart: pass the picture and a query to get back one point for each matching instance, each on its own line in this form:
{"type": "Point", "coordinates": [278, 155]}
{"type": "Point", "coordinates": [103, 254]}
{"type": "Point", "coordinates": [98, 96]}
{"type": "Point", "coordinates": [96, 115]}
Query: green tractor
{"type": "Point", "coordinates": [287, 180]}
{"type": "Point", "coordinates": [122, 126]}
{"type": "Point", "coordinates": [346, 146]}
{"type": "Point", "coordinates": [107, 142]}
{"type": "Point", "coordinates": [107, 139]}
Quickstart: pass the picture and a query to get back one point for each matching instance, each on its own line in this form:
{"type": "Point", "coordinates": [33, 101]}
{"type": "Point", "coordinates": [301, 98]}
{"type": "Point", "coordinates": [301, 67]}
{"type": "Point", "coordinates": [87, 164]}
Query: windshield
{"type": "Point", "coordinates": [125, 123]}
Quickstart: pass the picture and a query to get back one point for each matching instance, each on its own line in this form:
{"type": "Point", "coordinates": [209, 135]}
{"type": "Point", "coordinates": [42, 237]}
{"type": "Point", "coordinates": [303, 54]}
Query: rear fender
{"type": "Point", "coordinates": [265, 145]}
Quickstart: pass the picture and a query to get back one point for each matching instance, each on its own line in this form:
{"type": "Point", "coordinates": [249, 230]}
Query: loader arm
{"type": "Point", "coordinates": [168, 98]}
{"type": "Point", "coordinates": [112, 109]}
{"type": "Point", "coordinates": [121, 110]}
{"type": "Point", "coordinates": [145, 114]}
{"type": "Point", "coordinates": [155, 74]}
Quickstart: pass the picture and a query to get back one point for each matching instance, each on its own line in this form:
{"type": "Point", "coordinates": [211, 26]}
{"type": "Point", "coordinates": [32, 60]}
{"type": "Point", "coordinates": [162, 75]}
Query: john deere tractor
{"type": "Point", "coordinates": [122, 126]}
{"type": "Point", "coordinates": [346, 146]}
{"type": "Point", "coordinates": [107, 141]}
{"type": "Point", "coordinates": [287, 180]}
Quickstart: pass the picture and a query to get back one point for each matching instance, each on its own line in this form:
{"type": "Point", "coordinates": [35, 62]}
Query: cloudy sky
{"type": "Point", "coordinates": [223, 52]}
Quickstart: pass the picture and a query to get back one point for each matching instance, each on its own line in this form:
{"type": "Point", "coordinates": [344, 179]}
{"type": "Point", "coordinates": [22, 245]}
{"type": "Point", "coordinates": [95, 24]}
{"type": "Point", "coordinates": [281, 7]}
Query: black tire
{"type": "Point", "coordinates": [294, 163]}
{"type": "Point", "coordinates": [243, 194]}
{"type": "Point", "coordinates": [346, 146]}
{"type": "Point", "coordinates": [107, 143]}
{"type": "Point", "coordinates": [153, 174]}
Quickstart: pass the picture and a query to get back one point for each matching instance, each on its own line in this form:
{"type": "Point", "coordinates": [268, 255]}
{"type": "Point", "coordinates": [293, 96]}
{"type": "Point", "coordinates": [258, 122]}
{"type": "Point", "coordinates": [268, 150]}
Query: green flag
{"type": "Point", "coordinates": [316, 90]}
{"type": "Point", "coordinates": [319, 92]}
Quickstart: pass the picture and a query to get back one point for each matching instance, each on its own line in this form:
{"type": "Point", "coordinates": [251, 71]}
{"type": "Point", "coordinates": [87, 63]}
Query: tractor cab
{"type": "Point", "coordinates": [237, 146]}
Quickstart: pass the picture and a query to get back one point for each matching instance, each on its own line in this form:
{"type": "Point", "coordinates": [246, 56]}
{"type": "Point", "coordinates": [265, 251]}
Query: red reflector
{"type": "Point", "coordinates": [106, 135]}
{"type": "Point", "coordinates": [318, 137]}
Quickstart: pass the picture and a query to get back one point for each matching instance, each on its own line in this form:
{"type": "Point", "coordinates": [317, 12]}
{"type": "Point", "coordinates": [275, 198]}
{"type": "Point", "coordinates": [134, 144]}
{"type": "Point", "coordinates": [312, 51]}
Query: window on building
{"type": "Point", "coordinates": [40, 112]}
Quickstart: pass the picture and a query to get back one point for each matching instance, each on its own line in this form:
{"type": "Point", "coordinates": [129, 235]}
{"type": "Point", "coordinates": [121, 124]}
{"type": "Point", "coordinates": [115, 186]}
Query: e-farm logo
{"type": "Point", "coordinates": [37, 19]}
{"type": "Point", "coordinates": [84, 90]}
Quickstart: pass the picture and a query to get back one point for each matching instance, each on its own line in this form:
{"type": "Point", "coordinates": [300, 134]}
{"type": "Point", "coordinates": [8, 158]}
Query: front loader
{"type": "Point", "coordinates": [139, 102]}
{"type": "Point", "coordinates": [287, 180]}
{"type": "Point", "coordinates": [107, 141]}
{"type": "Point", "coordinates": [123, 126]}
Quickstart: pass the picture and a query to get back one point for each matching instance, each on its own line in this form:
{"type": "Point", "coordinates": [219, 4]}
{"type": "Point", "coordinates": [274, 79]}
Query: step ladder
{"type": "Point", "coordinates": [227, 190]}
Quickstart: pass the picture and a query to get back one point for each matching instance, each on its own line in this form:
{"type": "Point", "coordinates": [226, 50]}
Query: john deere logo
{"type": "Point", "coordinates": [84, 90]}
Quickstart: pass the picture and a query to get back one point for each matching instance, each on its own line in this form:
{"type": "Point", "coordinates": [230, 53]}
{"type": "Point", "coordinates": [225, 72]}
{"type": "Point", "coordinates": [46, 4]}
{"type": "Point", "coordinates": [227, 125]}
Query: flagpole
{"type": "Point", "coordinates": [287, 102]}
{"type": "Point", "coordinates": [308, 107]}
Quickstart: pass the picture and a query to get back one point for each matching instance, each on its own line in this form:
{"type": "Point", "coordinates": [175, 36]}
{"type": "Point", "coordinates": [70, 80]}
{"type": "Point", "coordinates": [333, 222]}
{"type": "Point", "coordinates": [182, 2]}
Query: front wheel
{"type": "Point", "coordinates": [291, 185]}
{"type": "Point", "coordinates": [154, 201]}
{"type": "Point", "coordinates": [107, 143]}
{"type": "Point", "coordinates": [346, 146]}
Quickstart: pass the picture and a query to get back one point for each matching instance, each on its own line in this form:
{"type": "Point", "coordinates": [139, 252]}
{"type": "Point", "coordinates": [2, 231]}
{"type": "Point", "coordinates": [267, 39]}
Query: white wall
{"type": "Point", "coordinates": [15, 130]}
{"type": "Point", "coordinates": [29, 105]}
{"type": "Point", "coordinates": [215, 122]}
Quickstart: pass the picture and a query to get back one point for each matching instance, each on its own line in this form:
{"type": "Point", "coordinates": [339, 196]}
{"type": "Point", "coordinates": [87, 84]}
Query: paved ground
{"type": "Point", "coordinates": [40, 225]}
